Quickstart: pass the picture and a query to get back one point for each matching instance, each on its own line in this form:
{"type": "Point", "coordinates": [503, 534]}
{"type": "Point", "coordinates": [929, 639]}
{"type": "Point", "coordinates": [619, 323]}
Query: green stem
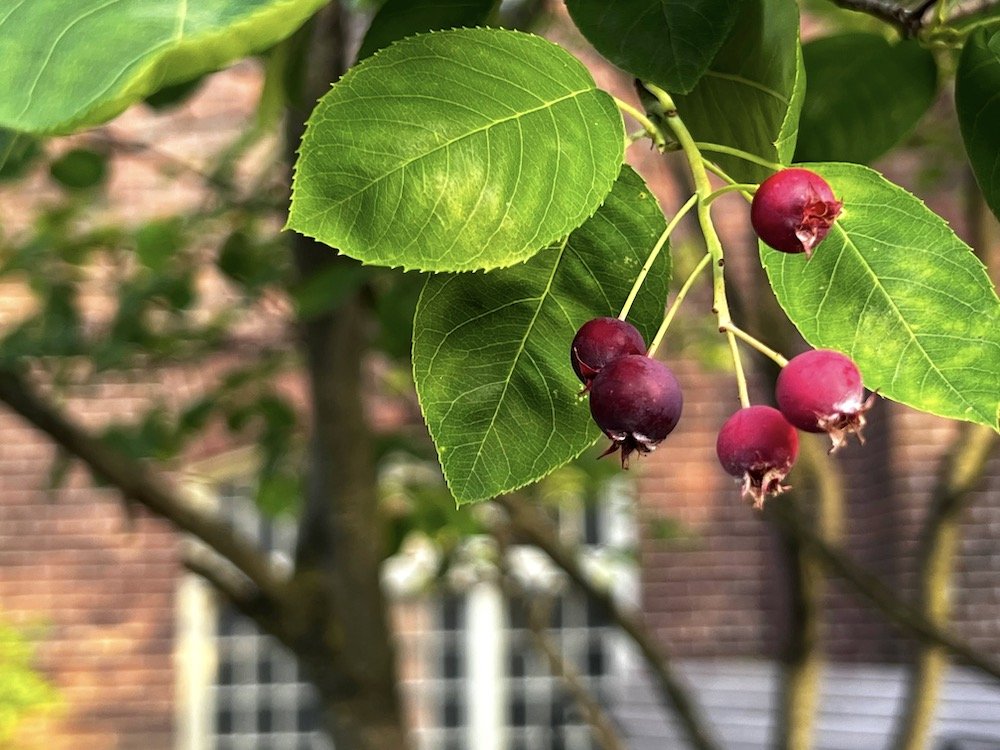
{"type": "Point", "coordinates": [653, 254]}
{"type": "Point", "coordinates": [717, 148]}
{"type": "Point", "coordinates": [754, 343]}
{"type": "Point", "coordinates": [722, 174]}
{"type": "Point", "coordinates": [703, 189]}
{"type": "Point", "coordinates": [688, 282]}
{"type": "Point", "coordinates": [743, 187]}
{"type": "Point", "coordinates": [640, 117]}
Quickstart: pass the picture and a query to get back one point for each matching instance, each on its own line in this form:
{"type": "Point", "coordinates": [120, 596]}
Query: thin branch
{"type": "Point", "coordinates": [960, 473]}
{"type": "Point", "coordinates": [538, 612]}
{"type": "Point", "coordinates": [235, 587]}
{"type": "Point", "coordinates": [909, 21]}
{"type": "Point", "coordinates": [537, 529]}
{"type": "Point", "coordinates": [802, 661]}
{"type": "Point", "coordinates": [138, 483]}
{"type": "Point", "coordinates": [901, 615]}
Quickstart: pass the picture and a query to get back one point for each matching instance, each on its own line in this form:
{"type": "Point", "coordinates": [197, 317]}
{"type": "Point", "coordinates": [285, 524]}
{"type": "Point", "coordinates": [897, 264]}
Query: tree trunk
{"type": "Point", "coordinates": [345, 646]}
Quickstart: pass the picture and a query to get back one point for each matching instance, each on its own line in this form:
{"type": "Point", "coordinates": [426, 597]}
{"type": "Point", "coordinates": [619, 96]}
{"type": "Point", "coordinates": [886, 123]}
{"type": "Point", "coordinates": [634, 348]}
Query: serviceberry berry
{"type": "Point", "coordinates": [821, 391]}
{"type": "Point", "coordinates": [793, 210]}
{"type": "Point", "coordinates": [636, 401]}
{"type": "Point", "coordinates": [600, 341]}
{"type": "Point", "coordinates": [758, 445]}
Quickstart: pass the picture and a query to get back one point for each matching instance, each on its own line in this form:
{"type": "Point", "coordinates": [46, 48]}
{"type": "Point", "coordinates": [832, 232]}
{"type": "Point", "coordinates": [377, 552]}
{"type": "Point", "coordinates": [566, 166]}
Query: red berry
{"type": "Point", "coordinates": [821, 391]}
{"type": "Point", "coordinates": [637, 401]}
{"type": "Point", "coordinates": [600, 341]}
{"type": "Point", "coordinates": [758, 445]}
{"type": "Point", "coordinates": [793, 210]}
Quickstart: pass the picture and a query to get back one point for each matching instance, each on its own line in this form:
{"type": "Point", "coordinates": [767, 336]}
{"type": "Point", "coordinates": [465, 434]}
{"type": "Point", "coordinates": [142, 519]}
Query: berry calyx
{"type": "Point", "coordinates": [821, 391]}
{"type": "Point", "coordinates": [759, 446]}
{"type": "Point", "coordinates": [601, 341]}
{"type": "Point", "coordinates": [793, 210]}
{"type": "Point", "coordinates": [637, 402]}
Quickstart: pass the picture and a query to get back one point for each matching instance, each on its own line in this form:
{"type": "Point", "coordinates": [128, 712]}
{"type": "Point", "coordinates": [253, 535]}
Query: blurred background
{"type": "Point", "coordinates": [146, 285]}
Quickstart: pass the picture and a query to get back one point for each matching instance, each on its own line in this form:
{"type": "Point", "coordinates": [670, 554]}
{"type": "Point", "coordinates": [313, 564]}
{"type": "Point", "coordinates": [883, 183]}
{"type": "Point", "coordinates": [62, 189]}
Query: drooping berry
{"type": "Point", "coordinates": [793, 210]}
{"type": "Point", "coordinates": [758, 445]}
{"type": "Point", "coordinates": [821, 391]}
{"type": "Point", "coordinates": [600, 341]}
{"type": "Point", "coordinates": [637, 401]}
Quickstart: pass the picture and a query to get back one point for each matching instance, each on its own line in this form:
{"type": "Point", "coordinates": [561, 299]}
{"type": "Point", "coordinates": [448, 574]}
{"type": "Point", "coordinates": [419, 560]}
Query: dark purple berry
{"type": "Point", "coordinates": [600, 341]}
{"type": "Point", "coordinates": [793, 210]}
{"type": "Point", "coordinates": [637, 401]}
{"type": "Point", "coordinates": [821, 391]}
{"type": "Point", "coordinates": [758, 445]}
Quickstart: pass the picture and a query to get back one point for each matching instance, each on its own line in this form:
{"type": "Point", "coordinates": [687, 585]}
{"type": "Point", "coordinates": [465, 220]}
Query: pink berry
{"type": "Point", "coordinates": [793, 210]}
{"type": "Point", "coordinates": [758, 445]}
{"type": "Point", "coordinates": [821, 391]}
{"type": "Point", "coordinates": [600, 341]}
{"type": "Point", "coordinates": [637, 402]}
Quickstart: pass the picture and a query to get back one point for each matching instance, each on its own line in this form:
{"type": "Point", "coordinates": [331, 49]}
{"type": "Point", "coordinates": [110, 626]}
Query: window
{"type": "Point", "coordinates": [471, 674]}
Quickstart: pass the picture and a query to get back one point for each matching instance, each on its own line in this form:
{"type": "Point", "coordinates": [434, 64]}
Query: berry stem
{"type": "Point", "coordinates": [743, 187]}
{"type": "Point", "coordinates": [703, 189]}
{"type": "Point", "coordinates": [741, 378]}
{"type": "Point", "coordinates": [653, 254]}
{"type": "Point", "coordinates": [721, 174]}
{"type": "Point", "coordinates": [648, 125]}
{"type": "Point", "coordinates": [688, 283]}
{"type": "Point", "coordinates": [754, 343]}
{"type": "Point", "coordinates": [717, 148]}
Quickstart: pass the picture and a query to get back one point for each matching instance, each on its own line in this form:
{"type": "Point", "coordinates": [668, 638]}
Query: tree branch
{"type": "Point", "coordinates": [960, 473]}
{"type": "Point", "coordinates": [138, 483]}
{"type": "Point", "coordinates": [901, 615]}
{"type": "Point", "coordinates": [909, 21]}
{"type": "Point", "coordinates": [235, 587]}
{"type": "Point", "coordinates": [537, 529]}
{"type": "Point", "coordinates": [803, 654]}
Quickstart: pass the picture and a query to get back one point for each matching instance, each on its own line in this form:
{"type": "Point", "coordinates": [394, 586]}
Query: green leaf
{"type": "Point", "coordinates": [491, 353]}
{"type": "Point", "coordinates": [750, 96]}
{"type": "Point", "coordinates": [455, 151]}
{"type": "Point", "coordinates": [977, 99]}
{"type": "Point", "coordinates": [667, 42]}
{"type": "Point", "coordinates": [894, 288]}
{"type": "Point", "coordinates": [79, 169]}
{"type": "Point", "coordinates": [849, 114]}
{"type": "Point", "coordinates": [80, 63]}
{"type": "Point", "coordinates": [17, 152]}
{"type": "Point", "coordinates": [175, 94]}
{"type": "Point", "coordinates": [402, 18]}
{"type": "Point", "coordinates": [158, 241]}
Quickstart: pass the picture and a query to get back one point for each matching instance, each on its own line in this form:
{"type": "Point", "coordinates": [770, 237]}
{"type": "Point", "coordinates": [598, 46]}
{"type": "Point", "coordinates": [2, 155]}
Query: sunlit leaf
{"type": "Point", "coordinates": [896, 290]}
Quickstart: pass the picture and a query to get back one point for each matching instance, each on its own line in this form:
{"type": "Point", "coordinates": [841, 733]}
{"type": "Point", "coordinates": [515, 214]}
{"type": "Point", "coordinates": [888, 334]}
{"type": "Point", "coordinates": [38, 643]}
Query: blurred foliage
{"type": "Point", "coordinates": [24, 693]}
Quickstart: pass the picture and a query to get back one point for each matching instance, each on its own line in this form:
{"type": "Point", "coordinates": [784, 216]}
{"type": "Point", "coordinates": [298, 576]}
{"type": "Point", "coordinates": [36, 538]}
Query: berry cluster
{"type": "Point", "coordinates": [637, 401]}
{"type": "Point", "coordinates": [819, 391]}
{"type": "Point", "coordinates": [634, 399]}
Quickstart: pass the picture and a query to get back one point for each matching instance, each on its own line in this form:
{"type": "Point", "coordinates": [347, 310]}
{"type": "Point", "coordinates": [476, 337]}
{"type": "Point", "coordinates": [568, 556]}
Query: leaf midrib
{"type": "Point", "coordinates": [877, 282]}
{"type": "Point", "coordinates": [542, 298]}
{"type": "Point", "coordinates": [447, 144]}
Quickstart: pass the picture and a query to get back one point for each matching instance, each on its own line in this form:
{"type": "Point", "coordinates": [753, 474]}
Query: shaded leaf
{"type": "Point", "coordinates": [17, 152]}
{"type": "Point", "coordinates": [457, 150]}
{"type": "Point", "coordinates": [666, 42]}
{"type": "Point", "coordinates": [897, 291]}
{"type": "Point", "coordinates": [158, 241]}
{"type": "Point", "coordinates": [977, 85]}
{"type": "Point", "coordinates": [79, 169]}
{"type": "Point", "coordinates": [750, 96]}
{"type": "Point", "coordinates": [864, 95]}
{"type": "Point", "coordinates": [397, 19]}
{"type": "Point", "coordinates": [491, 353]}
{"type": "Point", "coordinates": [82, 63]}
